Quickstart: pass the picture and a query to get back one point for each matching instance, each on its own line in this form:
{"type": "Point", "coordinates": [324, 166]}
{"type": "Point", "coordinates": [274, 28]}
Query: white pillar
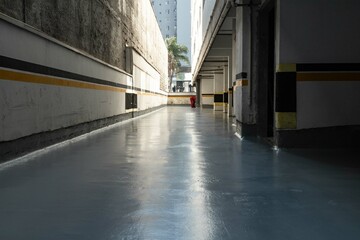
{"type": "Point", "coordinates": [218, 92]}
{"type": "Point", "coordinates": [225, 89]}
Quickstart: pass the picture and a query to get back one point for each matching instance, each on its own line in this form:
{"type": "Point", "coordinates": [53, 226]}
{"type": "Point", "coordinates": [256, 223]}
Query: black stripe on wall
{"type": "Point", "coordinates": [241, 75]}
{"type": "Point", "coordinates": [218, 98]}
{"type": "Point", "coordinates": [40, 69]}
{"type": "Point", "coordinates": [226, 98]}
{"type": "Point", "coordinates": [285, 92]}
{"type": "Point", "coordinates": [309, 67]}
{"type": "Point", "coordinates": [12, 63]}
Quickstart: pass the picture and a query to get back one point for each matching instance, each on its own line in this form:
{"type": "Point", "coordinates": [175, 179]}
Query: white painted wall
{"type": "Point", "coordinates": [208, 9]}
{"type": "Point", "coordinates": [328, 34]}
{"type": "Point", "coordinates": [218, 83]}
{"type": "Point", "coordinates": [325, 104]}
{"type": "Point", "coordinates": [196, 30]}
{"type": "Point", "coordinates": [218, 89]}
{"type": "Point", "coordinates": [29, 108]}
{"type": "Point", "coordinates": [207, 87]}
{"type": "Point", "coordinates": [146, 77]}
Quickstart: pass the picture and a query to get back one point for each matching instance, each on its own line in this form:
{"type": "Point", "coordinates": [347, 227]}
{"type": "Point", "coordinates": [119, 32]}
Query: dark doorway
{"type": "Point", "coordinates": [266, 69]}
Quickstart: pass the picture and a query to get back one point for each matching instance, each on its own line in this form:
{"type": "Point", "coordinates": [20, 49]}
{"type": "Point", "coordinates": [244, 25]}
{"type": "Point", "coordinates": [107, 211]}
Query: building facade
{"type": "Point", "coordinates": [286, 78]}
{"type": "Point", "coordinates": [166, 14]}
{"type": "Point", "coordinates": [174, 18]}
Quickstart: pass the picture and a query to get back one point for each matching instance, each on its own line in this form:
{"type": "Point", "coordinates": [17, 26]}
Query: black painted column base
{"type": "Point", "coordinates": [246, 130]}
{"type": "Point", "coordinates": [329, 137]}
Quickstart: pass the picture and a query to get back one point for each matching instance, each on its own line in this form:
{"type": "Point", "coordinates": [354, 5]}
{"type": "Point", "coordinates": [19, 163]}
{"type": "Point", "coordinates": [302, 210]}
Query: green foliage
{"type": "Point", "coordinates": [176, 54]}
{"type": "Point", "coordinates": [180, 76]}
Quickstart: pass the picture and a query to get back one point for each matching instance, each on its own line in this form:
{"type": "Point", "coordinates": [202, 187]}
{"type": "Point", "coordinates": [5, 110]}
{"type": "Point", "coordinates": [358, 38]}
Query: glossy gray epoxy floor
{"type": "Point", "coordinates": [180, 173]}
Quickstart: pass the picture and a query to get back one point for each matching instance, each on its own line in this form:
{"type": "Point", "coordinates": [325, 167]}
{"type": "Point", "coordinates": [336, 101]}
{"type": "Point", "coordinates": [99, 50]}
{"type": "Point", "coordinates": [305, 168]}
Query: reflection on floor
{"type": "Point", "coordinates": [180, 173]}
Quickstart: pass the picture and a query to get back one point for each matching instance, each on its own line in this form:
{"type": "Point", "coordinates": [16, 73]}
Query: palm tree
{"type": "Point", "coordinates": [176, 54]}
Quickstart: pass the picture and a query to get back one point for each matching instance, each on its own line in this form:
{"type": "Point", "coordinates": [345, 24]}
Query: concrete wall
{"type": "Point", "coordinates": [101, 28]}
{"type": "Point", "coordinates": [81, 65]}
{"type": "Point", "coordinates": [243, 108]}
{"type": "Point", "coordinates": [329, 97]}
{"type": "Point", "coordinates": [47, 86]}
{"type": "Point", "coordinates": [207, 92]}
{"type": "Point", "coordinates": [218, 90]}
{"type": "Point", "coordinates": [180, 98]}
{"type": "Point", "coordinates": [146, 83]}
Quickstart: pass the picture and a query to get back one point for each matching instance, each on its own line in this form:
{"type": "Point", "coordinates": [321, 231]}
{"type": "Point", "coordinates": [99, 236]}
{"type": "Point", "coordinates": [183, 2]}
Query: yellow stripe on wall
{"type": "Point", "coordinates": [285, 120]}
{"type": "Point", "coordinates": [286, 68]}
{"type": "Point", "coordinates": [241, 83]}
{"type": "Point", "coordinates": [219, 104]}
{"type": "Point", "coordinates": [30, 78]}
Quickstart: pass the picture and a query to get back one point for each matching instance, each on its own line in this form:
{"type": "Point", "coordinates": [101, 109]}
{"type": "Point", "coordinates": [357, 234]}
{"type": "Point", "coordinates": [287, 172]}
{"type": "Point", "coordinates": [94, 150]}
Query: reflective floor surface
{"type": "Point", "coordinates": [180, 173]}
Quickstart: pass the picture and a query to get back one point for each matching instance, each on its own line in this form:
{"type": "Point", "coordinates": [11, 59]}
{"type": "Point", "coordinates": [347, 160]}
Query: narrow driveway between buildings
{"type": "Point", "coordinates": [180, 173]}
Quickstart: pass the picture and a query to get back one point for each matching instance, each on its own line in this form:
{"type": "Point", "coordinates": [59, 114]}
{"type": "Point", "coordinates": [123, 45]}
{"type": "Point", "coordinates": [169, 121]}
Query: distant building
{"type": "Point", "coordinates": [166, 14]}
{"type": "Point", "coordinates": [174, 18]}
{"type": "Point", "coordinates": [184, 25]}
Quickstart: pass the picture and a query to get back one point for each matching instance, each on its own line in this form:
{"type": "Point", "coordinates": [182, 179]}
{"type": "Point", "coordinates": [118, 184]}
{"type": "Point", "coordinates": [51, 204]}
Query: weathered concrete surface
{"type": "Point", "coordinates": [13, 8]}
{"type": "Point", "coordinates": [101, 28]}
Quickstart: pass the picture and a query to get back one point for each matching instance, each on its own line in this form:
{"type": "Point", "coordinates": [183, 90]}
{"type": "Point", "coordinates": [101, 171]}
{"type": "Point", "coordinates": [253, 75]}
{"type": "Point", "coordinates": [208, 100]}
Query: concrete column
{"type": "Point", "coordinates": [232, 71]}
{"type": "Point", "coordinates": [207, 91]}
{"type": "Point", "coordinates": [244, 106]}
{"type": "Point", "coordinates": [198, 93]}
{"type": "Point", "coordinates": [218, 92]}
{"type": "Point", "coordinates": [225, 89]}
